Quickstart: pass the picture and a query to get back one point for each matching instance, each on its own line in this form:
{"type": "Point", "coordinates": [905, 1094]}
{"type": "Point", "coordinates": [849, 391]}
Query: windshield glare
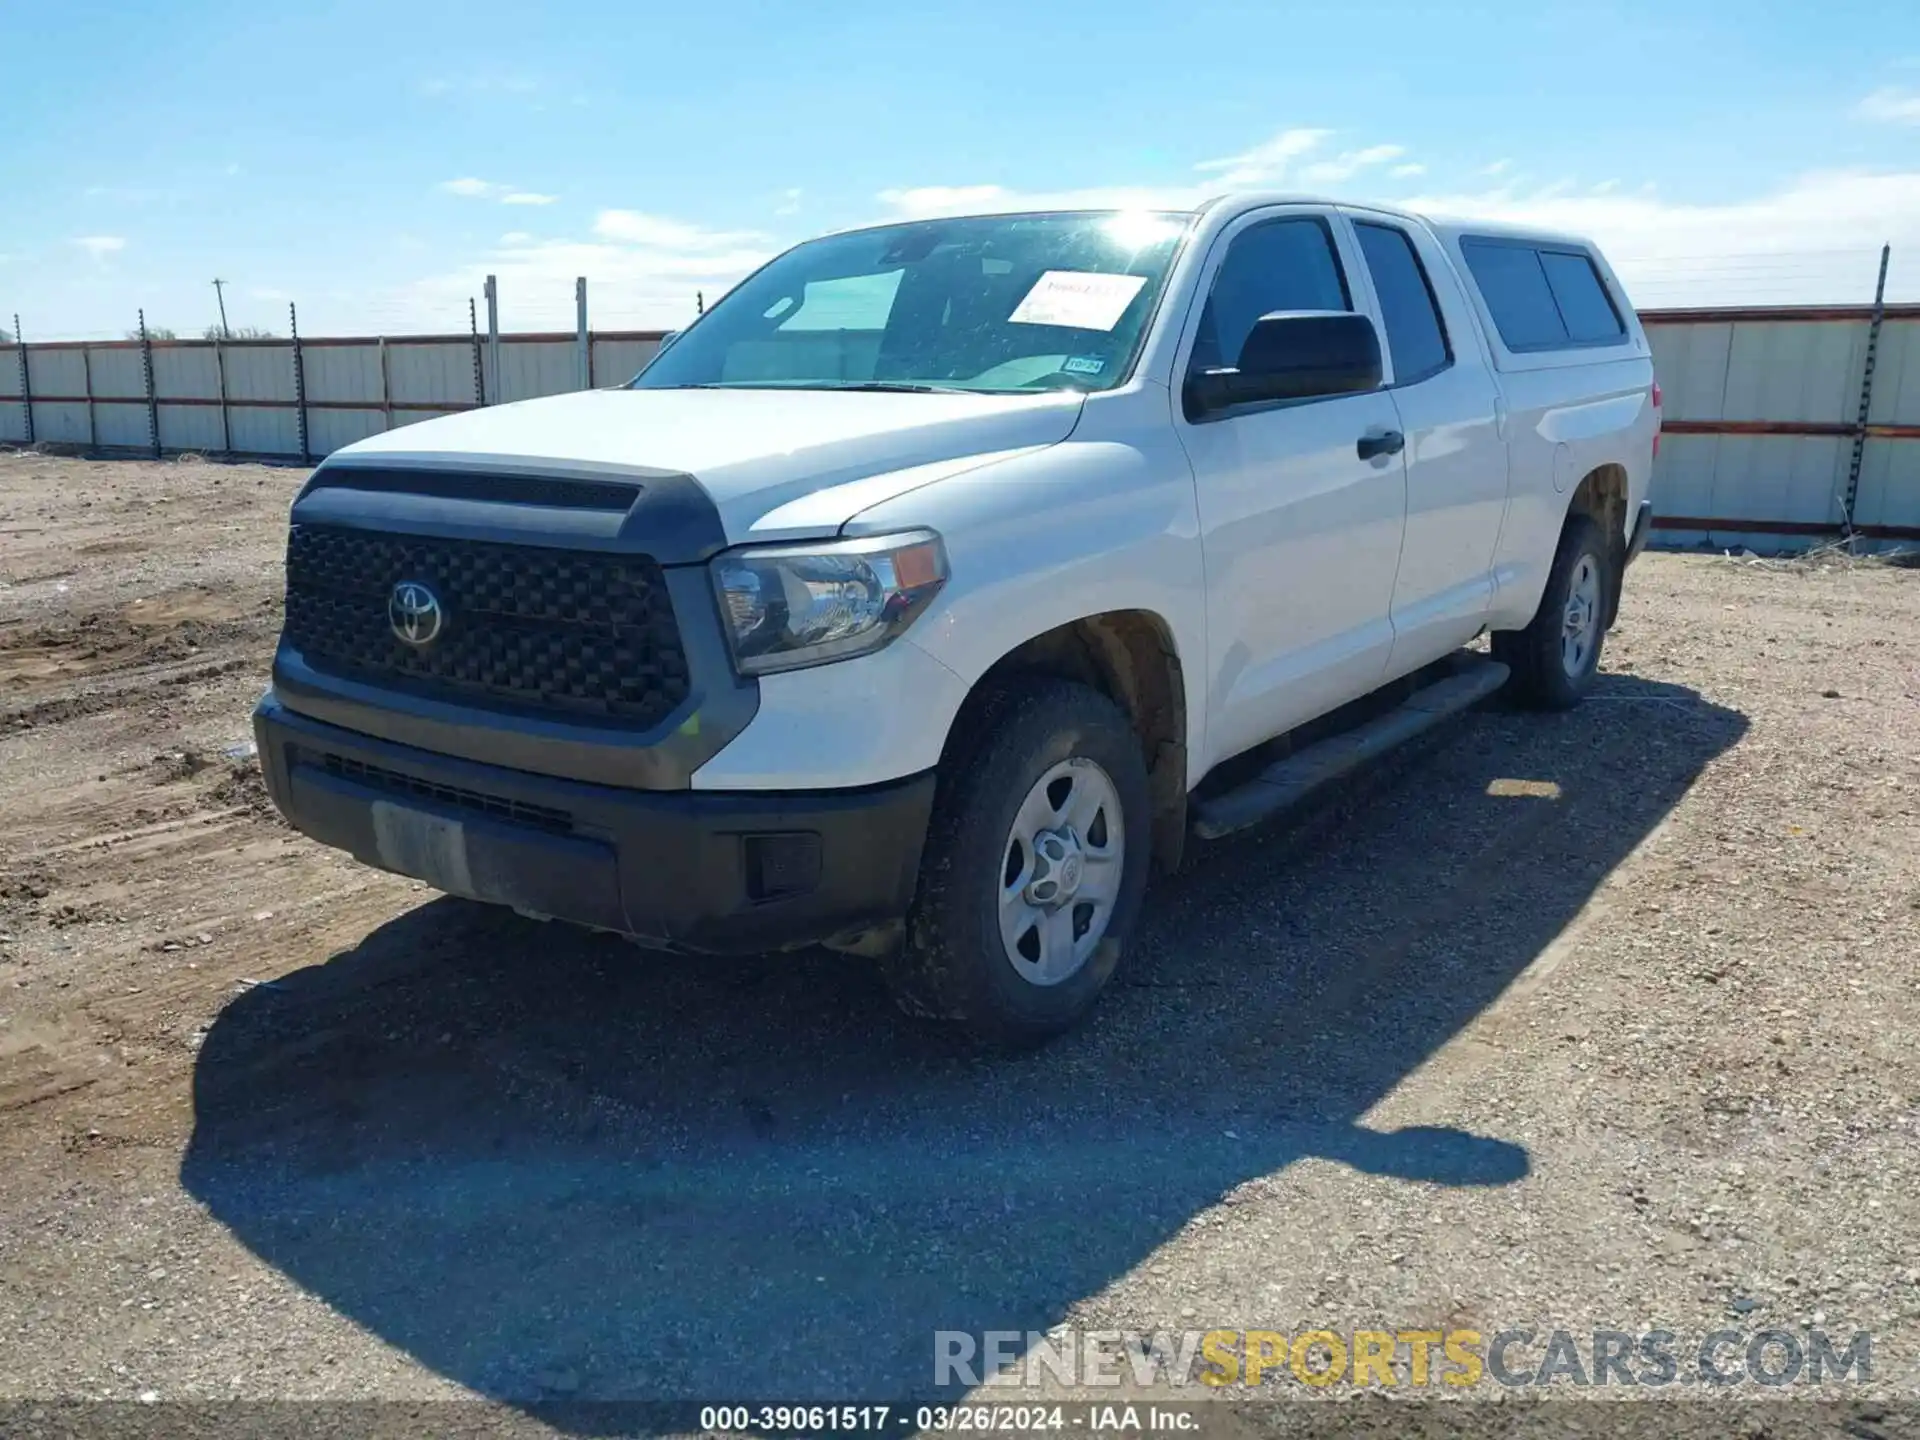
{"type": "Point", "coordinates": [1004, 304]}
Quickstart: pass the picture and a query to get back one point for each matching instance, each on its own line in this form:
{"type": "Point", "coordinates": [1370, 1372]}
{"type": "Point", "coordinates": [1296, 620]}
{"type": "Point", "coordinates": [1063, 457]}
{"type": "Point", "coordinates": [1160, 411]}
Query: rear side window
{"type": "Point", "coordinates": [1583, 300]}
{"type": "Point", "coordinates": [1542, 299]}
{"type": "Point", "coordinates": [1415, 336]}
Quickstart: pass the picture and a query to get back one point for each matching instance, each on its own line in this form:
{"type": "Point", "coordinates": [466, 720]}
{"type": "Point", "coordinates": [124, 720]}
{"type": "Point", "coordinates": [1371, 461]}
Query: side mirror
{"type": "Point", "coordinates": [666, 340]}
{"type": "Point", "coordinates": [1292, 355]}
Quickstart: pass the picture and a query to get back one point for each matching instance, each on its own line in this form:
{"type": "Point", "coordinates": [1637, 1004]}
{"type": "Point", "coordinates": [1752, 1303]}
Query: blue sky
{"type": "Point", "coordinates": [374, 161]}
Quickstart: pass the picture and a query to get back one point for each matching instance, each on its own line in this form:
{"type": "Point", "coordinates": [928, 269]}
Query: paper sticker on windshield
{"type": "Point", "coordinates": [1078, 299]}
{"type": "Point", "coordinates": [1084, 365]}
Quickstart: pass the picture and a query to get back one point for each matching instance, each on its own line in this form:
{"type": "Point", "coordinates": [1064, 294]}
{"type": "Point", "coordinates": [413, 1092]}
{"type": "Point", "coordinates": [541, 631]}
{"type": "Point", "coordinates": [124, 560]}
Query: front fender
{"type": "Point", "coordinates": [1105, 521]}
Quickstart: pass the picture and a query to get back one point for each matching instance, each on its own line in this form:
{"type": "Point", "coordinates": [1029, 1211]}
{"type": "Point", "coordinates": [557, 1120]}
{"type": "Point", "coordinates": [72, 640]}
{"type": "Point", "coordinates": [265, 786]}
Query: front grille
{"type": "Point", "coordinates": [541, 817]}
{"type": "Point", "coordinates": [524, 628]}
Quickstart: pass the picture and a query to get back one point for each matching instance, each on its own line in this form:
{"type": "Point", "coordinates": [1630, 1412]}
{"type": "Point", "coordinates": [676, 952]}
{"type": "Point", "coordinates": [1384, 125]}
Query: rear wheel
{"type": "Point", "coordinates": [1035, 865]}
{"type": "Point", "coordinates": [1556, 657]}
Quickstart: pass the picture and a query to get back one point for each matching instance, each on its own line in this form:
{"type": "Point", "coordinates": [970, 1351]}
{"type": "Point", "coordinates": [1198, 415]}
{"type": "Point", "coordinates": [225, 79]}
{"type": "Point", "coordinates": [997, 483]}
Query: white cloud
{"type": "Point", "coordinates": [943, 199]}
{"type": "Point", "coordinates": [1351, 163]}
{"type": "Point", "coordinates": [101, 246]}
{"type": "Point", "coordinates": [1264, 166]}
{"type": "Point", "coordinates": [631, 227]}
{"type": "Point", "coordinates": [642, 271]}
{"type": "Point", "coordinates": [1266, 163]}
{"type": "Point", "coordinates": [1813, 239]}
{"type": "Point", "coordinates": [1808, 239]}
{"type": "Point", "coordinates": [1897, 107]}
{"type": "Point", "coordinates": [928, 201]}
{"type": "Point", "coordinates": [471, 187]}
{"type": "Point", "coordinates": [789, 201]}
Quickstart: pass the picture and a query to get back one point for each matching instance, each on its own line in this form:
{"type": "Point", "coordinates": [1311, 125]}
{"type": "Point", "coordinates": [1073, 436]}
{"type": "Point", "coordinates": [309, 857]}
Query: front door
{"type": "Point", "coordinates": [1301, 534]}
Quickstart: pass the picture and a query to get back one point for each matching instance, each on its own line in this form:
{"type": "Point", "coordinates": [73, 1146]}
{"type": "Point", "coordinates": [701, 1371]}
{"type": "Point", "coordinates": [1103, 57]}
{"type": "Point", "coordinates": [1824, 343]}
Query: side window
{"type": "Point", "coordinates": [1583, 300]}
{"type": "Point", "coordinates": [1517, 293]}
{"type": "Point", "coordinates": [1543, 299]}
{"type": "Point", "coordinates": [1280, 265]}
{"type": "Point", "coordinates": [1415, 336]}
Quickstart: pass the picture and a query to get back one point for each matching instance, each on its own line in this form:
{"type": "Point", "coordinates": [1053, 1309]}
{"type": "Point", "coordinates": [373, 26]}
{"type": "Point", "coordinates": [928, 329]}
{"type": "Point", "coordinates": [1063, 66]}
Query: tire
{"type": "Point", "coordinates": [978, 872]}
{"type": "Point", "coordinates": [1551, 671]}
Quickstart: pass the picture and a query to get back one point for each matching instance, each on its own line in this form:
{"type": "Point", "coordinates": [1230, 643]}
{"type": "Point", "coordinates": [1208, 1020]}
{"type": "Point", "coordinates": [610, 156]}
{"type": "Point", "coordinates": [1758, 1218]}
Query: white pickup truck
{"type": "Point", "coordinates": [945, 576]}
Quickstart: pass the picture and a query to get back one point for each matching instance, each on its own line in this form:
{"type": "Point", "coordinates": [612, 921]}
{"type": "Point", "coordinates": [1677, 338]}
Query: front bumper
{"type": "Point", "coordinates": [712, 871]}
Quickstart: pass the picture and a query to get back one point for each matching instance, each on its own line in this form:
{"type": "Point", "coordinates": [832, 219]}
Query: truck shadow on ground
{"type": "Point", "coordinates": [550, 1166]}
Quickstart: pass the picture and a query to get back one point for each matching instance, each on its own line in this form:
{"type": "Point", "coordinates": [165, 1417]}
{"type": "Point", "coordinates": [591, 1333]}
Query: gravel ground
{"type": "Point", "coordinates": [1603, 1020]}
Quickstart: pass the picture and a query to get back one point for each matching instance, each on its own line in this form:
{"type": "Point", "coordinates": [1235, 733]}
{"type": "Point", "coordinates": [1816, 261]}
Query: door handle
{"type": "Point", "coordinates": [1390, 442]}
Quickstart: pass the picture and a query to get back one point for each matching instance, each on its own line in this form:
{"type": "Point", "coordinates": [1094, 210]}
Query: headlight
{"type": "Point", "coordinates": [791, 606]}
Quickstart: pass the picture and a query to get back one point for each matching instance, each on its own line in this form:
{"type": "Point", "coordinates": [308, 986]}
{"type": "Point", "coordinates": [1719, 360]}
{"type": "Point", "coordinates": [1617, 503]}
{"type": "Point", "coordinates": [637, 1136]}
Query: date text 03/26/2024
{"type": "Point", "coordinates": [956, 1419]}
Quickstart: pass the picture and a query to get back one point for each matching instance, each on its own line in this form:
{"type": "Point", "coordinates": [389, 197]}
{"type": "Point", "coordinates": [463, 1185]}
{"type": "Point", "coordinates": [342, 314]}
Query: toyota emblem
{"type": "Point", "coordinates": [414, 613]}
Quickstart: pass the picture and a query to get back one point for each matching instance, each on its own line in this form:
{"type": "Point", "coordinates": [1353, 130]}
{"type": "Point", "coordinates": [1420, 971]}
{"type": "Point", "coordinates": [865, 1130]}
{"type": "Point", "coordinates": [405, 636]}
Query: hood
{"type": "Point", "coordinates": [776, 463]}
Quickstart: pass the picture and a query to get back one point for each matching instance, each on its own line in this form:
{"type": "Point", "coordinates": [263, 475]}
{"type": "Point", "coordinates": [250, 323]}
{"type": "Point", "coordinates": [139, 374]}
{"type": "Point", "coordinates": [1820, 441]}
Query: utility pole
{"type": "Point", "coordinates": [26, 382]}
{"type": "Point", "coordinates": [492, 293]}
{"type": "Point", "coordinates": [583, 359]}
{"type": "Point", "coordinates": [219, 290]}
{"type": "Point", "coordinates": [1866, 396]}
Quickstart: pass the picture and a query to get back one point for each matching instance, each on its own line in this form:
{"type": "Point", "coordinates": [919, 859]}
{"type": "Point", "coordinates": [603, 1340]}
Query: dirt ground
{"type": "Point", "coordinates": [1598, 1020]}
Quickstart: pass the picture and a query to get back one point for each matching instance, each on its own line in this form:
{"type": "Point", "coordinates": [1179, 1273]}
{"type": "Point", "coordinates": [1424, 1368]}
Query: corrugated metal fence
{"type": "Point", "coordinates": [282, 397]}
{"type": "Point", "coordinates": [1782, 425]}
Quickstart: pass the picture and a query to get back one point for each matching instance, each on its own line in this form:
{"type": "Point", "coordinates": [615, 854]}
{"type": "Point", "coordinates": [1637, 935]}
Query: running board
{"type": "Point", "coordinates": [1287, 782]}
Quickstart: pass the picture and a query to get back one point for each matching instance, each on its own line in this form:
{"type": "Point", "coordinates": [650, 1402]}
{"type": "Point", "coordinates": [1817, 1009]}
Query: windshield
{"type": "Point", "coordinates": [992, 303]}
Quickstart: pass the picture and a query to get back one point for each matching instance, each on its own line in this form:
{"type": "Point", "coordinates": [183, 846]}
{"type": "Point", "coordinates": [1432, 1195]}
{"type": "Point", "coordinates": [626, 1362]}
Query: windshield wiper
{"type": "Point", "coordinates": [896, 386]}
{"type": "Point", "coordinates": [891, 386]}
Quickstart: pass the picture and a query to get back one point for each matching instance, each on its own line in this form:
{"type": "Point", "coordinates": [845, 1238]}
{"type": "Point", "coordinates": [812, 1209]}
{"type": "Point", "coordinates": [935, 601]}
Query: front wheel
{"type": "Point", "coordinates": [1035, 865]}
{"type": "Point", "coordinates": [1556, 657]}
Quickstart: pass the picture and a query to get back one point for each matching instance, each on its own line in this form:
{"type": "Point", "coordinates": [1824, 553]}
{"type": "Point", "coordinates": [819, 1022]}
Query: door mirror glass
{"type": "Point", "coordinates": [1292, 355]}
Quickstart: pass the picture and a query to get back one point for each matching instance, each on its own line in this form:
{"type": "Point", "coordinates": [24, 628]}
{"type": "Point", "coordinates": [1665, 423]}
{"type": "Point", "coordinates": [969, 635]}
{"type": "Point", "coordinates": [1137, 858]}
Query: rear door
{"type": "Point", "coordinates": [1577, 376]}
{"type": "Point", "coordinates": [1301, 534]}
{"type": "Point", "coordinates": [1448, 403]}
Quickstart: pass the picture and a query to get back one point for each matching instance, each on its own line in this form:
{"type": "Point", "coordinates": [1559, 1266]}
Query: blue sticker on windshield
{"type": "Point", "coordinates": [1084, 365]}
